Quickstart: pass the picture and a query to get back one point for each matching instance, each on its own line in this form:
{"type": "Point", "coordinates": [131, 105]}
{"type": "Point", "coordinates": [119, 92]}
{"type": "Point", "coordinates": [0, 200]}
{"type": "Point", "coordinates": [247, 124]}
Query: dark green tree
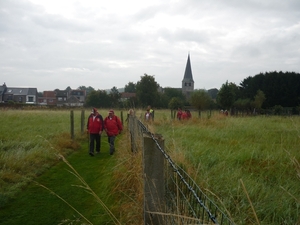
{"type": "Point", "coordinates": [115, 97]}
{"type": "Point", "coordinates": [147, 91]}
{"type": "Point", "coordinates": [175, 103]}
{"type": "Point", "coordinates": [243, 105]}
{"type": "Point", "coordinates": [279, 88]}
{"type": "Point", "coordinates": [227, 95]}
{"type": "Point", "coordinates": [92, 99]}
{"type": "Point", "coordinates": [213, 93]}
{"type": "Point", "coordinates": [174, 92]}
{"type": "Point", "coordinates": [130, 87]}
{"type": "Point", "coordinates": [98, 99]}
{"type": "Point", "coordinates": [200, 100]}
{"type": "Point", "coordinates": [68, 88]}
{"type": "Point", "coordinates": [86, 89]}
{"type": "Point", "coordinates": [259, 100]}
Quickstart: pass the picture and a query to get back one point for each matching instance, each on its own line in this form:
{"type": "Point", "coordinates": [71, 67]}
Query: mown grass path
{"type": "Point", "coordinates": [35, 205]}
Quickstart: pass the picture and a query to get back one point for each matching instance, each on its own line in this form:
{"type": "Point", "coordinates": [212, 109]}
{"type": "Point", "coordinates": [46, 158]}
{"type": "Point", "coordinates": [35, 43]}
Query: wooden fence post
{"type": "Point", "coordinates": [122, 119]}
{"type": "Point", "coordinates": [72, 124]}
{"type": "Point", "coordinates": [154, 184]}
{"type": "Point", "coordinates": [82, 122]}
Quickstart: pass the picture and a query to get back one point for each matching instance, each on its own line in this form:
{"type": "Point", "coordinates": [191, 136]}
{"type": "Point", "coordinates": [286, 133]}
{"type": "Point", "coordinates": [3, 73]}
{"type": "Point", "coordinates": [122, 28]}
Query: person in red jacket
{"type": "Point", "coordinates": [95, 126]}
{"type": "Point", "coordinates": [113, 127]}
{"type": "Point", "coordinates": [184, 115]}
{"type": "Point", "coordinates": [179, 114]}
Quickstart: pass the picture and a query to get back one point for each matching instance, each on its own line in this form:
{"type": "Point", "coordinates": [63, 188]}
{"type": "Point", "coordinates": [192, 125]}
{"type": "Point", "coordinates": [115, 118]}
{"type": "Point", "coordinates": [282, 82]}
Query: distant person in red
{"type": "Point", "coordinates": [184, 115]}
{"type": "Point", "coordinates": [188, 113]}
{"type": "Point", "coordinates": [95, 128]}
{"type": "Point", "coordinates": [113, 126]}
{"type": "Point", "coordinates": [179, 114]}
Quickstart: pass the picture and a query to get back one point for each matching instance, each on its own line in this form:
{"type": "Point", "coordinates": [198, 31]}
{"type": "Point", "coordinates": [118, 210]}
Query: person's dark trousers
{"type": "Point", "coordinates": [95, 138]}
{"type": "Point", "coordinates": [111, 141]}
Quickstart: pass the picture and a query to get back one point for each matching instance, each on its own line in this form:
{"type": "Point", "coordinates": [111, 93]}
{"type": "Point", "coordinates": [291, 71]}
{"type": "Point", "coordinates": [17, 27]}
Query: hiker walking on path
{"type": "Point", "coordinates": [151, 111]}
{"type": "Point", "coordinates": [113, 127]}
{"type": "Point", "coordinates": [129, 113]}
{"type": "Point", "coordinates": [179, 114]}
{"type": "Point", "coordinates": [148, 116]}
{"type": "Point", "coordinates": [95, 126]}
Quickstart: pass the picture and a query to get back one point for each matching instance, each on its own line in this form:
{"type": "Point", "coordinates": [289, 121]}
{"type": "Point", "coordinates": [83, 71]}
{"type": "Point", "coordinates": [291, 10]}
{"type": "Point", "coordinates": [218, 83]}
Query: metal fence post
{"type": "Point", "coordinates": [154, 184]}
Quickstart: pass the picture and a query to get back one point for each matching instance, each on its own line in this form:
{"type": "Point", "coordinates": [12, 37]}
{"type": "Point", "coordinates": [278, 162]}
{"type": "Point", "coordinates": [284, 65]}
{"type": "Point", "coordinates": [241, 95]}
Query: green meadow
{"type": "Point", "coordinates": [249, 166]}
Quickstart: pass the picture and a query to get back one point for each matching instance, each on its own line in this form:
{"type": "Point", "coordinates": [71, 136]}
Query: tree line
{"type": "Point", "coordinates": [270, 91]}
{"type": "Point", "coordinates": [264, 91]}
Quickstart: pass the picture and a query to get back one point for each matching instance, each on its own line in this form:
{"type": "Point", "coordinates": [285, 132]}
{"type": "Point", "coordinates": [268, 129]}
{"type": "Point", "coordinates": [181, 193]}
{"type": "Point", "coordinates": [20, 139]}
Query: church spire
{"type": "Point", "coordinates": [188, 81]}
{"type": "Point", "coordinates": [188, 70]}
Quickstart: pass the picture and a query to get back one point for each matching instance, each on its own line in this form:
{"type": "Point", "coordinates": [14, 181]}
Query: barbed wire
{"type": "Point", "coordinates": [180, 173]}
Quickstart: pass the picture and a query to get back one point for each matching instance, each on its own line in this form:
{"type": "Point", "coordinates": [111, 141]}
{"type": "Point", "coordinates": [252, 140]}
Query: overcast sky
{"type": "Point", "coordinates": [52, 44]}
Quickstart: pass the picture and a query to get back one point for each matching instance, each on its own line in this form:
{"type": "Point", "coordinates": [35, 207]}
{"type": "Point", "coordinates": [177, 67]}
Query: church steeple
{"type": "Point", "coordinates": [188, 82]}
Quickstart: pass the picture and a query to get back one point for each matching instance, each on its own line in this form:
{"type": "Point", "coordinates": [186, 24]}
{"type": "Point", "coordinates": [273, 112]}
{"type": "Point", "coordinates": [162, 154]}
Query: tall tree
{"type": "Point", "coordinates": [86, 89]}
{"type": "Point", "coordinates": [92, 99]}
{"type": "Point", "coordinates": [147, 90]}
{"type": "Point", "coordinates": [175, 103]}
{"type": "Point", "coordinates": [279, 88]}
{"type": "Point", "coordinates": [200, 99]}
{"type": "Point", "coordinates": [130, 87]}
{"type": "Point", "coordinates": [213, 93]}
{"type": "Point", "coordinates": [115, 96]}
{"type": "Point", "coordinates": [174, 92]}
{"type": "Point", "coordinates": [68, 88]}
{"type": "Point", "coordinates": [168, 94]}
{"type": "Point", "coordinates": [98, 99]}
{"type": "Point", "coordinates": [227, 95]}
{"type": "Point", "coordinates": [259, 99]}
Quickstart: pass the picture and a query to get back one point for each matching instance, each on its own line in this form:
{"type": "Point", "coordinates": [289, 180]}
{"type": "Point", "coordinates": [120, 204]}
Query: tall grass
{"type": "Point", "coordinates": [29, 142]}
{"type": "Point", "coordinates": [245, 164]}
{"type": "Point", "coordinates": [128, 180]}
{"type": "Point", "coordinates": [249, 166]}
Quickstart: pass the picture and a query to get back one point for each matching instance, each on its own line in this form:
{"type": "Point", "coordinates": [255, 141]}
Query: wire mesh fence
{"type": "Point", "coordinates": [185, 202]}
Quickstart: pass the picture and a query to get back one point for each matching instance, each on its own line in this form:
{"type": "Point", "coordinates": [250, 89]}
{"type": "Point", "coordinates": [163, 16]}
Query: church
{"type": "Point", "coordinates": [188, 81]}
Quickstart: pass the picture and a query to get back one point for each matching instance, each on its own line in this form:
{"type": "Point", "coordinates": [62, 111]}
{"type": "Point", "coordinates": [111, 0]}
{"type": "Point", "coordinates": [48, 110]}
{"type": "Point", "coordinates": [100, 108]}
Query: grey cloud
{"type": "Point", "coordinates": [229, 40]}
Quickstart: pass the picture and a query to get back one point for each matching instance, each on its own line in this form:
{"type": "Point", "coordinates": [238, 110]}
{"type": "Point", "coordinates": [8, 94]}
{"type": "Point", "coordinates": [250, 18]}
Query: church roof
{"type": "Point", "coordinates": [188, 70]}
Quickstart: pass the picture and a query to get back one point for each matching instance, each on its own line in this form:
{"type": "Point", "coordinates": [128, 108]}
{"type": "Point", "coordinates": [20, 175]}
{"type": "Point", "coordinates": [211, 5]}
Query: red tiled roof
{"type": "Point", "coordinates": [128, 95]}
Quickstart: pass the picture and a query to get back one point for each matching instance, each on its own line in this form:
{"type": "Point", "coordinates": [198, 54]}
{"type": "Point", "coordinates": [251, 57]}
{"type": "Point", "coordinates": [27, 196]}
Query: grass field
{"type": "Point", "coordinates": [30, 145]}
{"type": "Point", "coordinates": [248, 165]}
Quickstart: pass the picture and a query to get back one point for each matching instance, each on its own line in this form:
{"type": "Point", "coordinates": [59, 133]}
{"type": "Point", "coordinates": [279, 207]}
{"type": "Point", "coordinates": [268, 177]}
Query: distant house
{"type": "Point", "coordinates": [49, 98]}
{"type": "Point", "coordinates": [63, 98]}
{"type": "Point", "coordinates": [21, 95]}
{"type": "Point", "coordinates": [76, 97]}
{"type": "Point", "coordinates": [2, 91]}
{"type": "Point", "coordinates": [127, 95]}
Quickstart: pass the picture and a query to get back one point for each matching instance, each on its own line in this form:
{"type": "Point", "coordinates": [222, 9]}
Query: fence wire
{"type": "Point", "coordinates": [185, 202]}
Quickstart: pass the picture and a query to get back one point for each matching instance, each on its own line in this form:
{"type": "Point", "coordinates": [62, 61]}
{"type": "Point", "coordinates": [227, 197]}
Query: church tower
{"type": "Point", "coordinates": [188, 82]}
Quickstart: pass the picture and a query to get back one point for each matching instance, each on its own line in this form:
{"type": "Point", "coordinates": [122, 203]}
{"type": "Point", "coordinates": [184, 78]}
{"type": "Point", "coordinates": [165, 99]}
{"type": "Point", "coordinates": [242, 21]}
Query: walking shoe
{"type": "Point", "coordinates": [91, 154]}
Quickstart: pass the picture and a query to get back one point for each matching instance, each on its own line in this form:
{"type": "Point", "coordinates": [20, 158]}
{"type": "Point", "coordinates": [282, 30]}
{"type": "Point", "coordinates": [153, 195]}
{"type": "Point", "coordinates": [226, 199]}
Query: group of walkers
{"type": "Point", "coordinates": [111, 125]}
{"type": "Point", "coordinates": [183, 115]}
